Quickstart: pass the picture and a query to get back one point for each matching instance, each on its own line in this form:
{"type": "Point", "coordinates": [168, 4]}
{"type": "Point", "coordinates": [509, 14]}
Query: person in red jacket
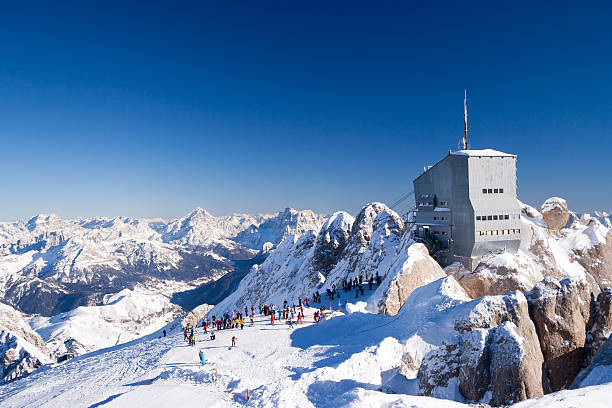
{"type": "Point", "coordinates": [272, 318]}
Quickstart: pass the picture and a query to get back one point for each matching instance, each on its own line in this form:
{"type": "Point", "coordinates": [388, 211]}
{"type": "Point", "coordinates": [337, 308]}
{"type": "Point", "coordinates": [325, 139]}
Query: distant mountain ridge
{"type": "Point", "coordinates": [50, 265]}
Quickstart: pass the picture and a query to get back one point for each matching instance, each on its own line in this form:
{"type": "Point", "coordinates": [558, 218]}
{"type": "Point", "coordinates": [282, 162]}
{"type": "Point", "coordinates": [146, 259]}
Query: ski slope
{"type": "Point", "coordinates": [340, 362]}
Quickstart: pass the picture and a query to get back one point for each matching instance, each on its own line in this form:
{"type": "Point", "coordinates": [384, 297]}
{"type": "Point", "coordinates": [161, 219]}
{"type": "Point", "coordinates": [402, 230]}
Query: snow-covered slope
{"type": "Point", "coordinates": [122, 317]}
{"type": "Point", "coordinates": [344, 361]}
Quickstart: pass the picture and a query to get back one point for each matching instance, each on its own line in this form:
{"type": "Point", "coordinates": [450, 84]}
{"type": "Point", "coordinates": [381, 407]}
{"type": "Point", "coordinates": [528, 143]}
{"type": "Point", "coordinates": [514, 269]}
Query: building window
{"type": "Point", "coordinates": [484, 191]}
{"type": "Point", "coordinates": [443, 203]}
{"type": "Point", "coordinates": [435, 218]}
{"type": "Point", "coordinates": [496, 190]}
{"type": "Point", "coordinates": [490, 191]}
{"type": "Point", "coordinates": [495, 217]}
{"type": "Point", "coordinates": [444, 218]}
{"type": "Point", "coordinates": [501, 190]}
{"type": "Point", "coordinates": [444, 233]}
{"type": "Point", "coordinates": [501, 217]}
{"type": "Point", "coordinates": [506, 217]}
{"type": "Point", "coordinates": [489, 217]}
{"type": "Point", "coordinates": [478, 218]}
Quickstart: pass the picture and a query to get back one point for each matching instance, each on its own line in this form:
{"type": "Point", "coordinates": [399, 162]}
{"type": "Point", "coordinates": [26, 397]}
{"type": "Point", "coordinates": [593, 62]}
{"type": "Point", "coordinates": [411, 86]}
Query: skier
{"type": "Point", "coordinates": [212, 335]}
{"type": "Point", "coordinates": [241, 323]}
{"type": "Point", "coordinates": [201, 354]}
{"type": "Point", "coordinates": [272, 319]}
{"type": "Point", "coordinates": [299, 319]}
{"type": "Point", "coordinates": [164, 332]}
{"type": "Point", "coordinates": [233, 341]}
{"type": "Point", "coordinates": [185, 335]}
{"type": "Point", "coordinates": [307, 302]}
{"type": "Point", "coordinates": [251, 317]}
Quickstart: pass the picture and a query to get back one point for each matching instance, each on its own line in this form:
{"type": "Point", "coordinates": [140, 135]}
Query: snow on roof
{"type": "Point", "coordinates": [483, 152]}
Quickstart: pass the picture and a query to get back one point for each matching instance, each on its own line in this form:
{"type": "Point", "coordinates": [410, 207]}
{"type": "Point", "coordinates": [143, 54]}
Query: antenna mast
{"type": "Point", "coordinates": [465, 139]}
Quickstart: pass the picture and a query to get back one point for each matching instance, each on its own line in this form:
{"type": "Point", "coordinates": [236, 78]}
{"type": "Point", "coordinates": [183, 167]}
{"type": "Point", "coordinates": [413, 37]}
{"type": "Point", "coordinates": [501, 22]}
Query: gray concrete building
{"type": "Point", "coordinates": [466, 206]}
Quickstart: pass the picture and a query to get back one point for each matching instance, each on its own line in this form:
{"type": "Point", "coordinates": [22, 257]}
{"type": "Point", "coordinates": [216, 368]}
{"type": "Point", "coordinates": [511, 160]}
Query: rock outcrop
{"type": "Point", "coordinates": [555, 213]}
{"type": "Point", "coordinates": [417, 270]}
{"type": "Point", "coordinates": [196, 315]}
{"type": "Point", "coordinates": [22, 350]}
{"type": "Point", "coordinates": [498, 275]}
{"type": "Point", "coordinates": [600, 324]}
{"type": "Point", "coordinates": [560, 311]}
{"type": "Point", "coordinates": [496, 358]}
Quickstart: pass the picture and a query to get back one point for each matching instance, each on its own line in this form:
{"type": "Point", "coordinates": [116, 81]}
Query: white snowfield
{"type": "Point", "coordinates": [343, 361]}
{"type": "Point", "coordinates": [124, 316]}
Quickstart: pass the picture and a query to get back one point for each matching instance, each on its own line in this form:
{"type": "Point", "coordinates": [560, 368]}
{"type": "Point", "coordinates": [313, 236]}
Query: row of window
{"type": "Point", "coordinates": [443, 218]}
{"type": "Point", "coordinates": [499, 232]}
{"type": "Point", "coordinates": [492, 190]}
{"type": "Point", "coordinates": [492, 217]}
{"type": "Point", "coordinates": [440, 232]}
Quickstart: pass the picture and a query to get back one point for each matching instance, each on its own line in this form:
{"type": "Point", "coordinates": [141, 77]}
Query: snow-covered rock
{"type": "Point", "coordinates": [560, 311]}
{"type": "Point", "coordinates": [495, 357]}
{"type": "Point", "coordinates": [22, 350]}
{"type": "Point", "coordinates": [600, 323]}
{"type": "Point", "coordinates": [498, 275]}
{"type": "Point", "coordinates": [274, 228]}
{"type": "Point", "coordinates": [416, 270]}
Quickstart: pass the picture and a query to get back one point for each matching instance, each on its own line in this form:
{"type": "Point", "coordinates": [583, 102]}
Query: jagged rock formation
{"type": "Point", "coordinates": [22, 350]}
{"type": "Point", "coordinates": [600, 324]}
{"type": "Point", "coordinates": [555, 213]}
{"type": "Point", "coordinates": [495, 358]}
{"type": "Point", "coordinates": [274, 228]}
{"type": "Point", "coordinates": [560, 311]}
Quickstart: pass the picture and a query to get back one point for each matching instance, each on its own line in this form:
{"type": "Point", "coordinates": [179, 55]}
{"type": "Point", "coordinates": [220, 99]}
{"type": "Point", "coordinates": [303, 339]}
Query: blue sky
{"type": "Point", "coordinates": [151, 109]}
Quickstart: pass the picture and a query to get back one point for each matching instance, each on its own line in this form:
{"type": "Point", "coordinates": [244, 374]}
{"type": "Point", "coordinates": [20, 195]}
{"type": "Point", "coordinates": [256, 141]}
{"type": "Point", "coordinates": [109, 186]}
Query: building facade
{"type": "Point", "coordinates": [467, 208]}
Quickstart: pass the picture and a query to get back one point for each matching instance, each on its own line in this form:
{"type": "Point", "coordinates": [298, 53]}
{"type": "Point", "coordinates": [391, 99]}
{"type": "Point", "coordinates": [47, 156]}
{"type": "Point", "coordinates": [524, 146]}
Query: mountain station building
{"type": "Point", "coordinates": [466, 206]}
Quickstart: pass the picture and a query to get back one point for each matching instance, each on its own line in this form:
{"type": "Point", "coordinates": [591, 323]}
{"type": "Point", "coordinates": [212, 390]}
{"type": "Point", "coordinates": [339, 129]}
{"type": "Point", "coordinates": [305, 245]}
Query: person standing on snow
{"type": "Point", "coordinates": [251, 317]}
{"type": "Point", "coordinates": [241, 323]}
{"type": "Point", "coordinates": [164, 332]}
{"type": "Point", "coordinates": [233, 341]}
{"type": "Point", "coordinates": [201, 354]}
{"type": "Point", "coordinates": [272, 318]}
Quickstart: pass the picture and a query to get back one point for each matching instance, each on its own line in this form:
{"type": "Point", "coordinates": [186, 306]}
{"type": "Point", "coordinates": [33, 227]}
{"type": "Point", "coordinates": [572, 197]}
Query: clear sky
{"type": "Point", "coordinates": [151, 109]}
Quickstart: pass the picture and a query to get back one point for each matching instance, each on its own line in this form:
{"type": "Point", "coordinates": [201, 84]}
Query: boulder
{"type": "Point", "coordinates": [560, 311]}
{"type": "Point", "coordinates": [555, 213]}
{"type": "Point", "coordinates": [417, 270]}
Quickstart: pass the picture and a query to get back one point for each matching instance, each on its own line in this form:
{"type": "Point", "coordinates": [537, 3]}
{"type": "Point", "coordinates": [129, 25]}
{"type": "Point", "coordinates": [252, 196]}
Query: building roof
{"type": "Point", "coordinates": [483, 152]}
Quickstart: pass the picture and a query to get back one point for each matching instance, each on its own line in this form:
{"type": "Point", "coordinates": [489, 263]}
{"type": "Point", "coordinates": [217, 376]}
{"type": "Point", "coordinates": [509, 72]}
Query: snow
{"type": "Point", "coordinates": [483, 152]}
{"type": "Point", "coordinates": [554, 203]}
{"type": "Point", "coordinates": [124, 316]}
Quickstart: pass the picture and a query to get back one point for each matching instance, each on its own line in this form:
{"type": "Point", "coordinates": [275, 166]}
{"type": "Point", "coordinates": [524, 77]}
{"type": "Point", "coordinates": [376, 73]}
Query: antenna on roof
{"type": "Point", "coordinates": [465, 139]}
